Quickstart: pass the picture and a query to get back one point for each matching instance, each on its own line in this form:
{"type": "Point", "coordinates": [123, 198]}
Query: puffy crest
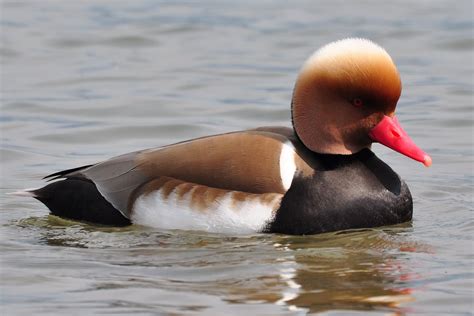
{"type": "Point", "coordinates": [354, 67]}
{"type": "Point", "coordinates": [346, 48]}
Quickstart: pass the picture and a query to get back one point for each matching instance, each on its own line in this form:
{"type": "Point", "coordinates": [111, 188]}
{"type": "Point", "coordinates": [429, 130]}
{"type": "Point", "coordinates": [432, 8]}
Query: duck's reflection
{"type": "Point", "coordinates": [364, 270]}
{"type": "Point", "coordinates": [359, 270]}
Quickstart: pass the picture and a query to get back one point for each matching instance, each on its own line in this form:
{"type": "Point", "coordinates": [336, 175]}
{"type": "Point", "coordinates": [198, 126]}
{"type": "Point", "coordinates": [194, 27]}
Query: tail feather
{"type": "Point", "coordinates": [24, 192]}
{"type": "Point", "coordinates": [78, 199]}
{"type": "Point", "coordinates": [64, 173]}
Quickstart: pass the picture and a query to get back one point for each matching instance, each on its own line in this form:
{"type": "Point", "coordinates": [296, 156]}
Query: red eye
{"type": "Point", "coordinates": [357, 103]}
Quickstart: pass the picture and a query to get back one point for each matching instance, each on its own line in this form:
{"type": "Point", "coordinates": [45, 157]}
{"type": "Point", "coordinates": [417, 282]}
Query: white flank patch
{"type": "Point", "coordinates": [223, 216]}
{"type": "Point", "coordinates": [287, 165]}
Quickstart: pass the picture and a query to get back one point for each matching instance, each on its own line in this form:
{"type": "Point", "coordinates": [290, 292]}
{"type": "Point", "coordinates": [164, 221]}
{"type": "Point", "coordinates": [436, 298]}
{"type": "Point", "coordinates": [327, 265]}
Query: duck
{"type": "Point", "coordinates": [320, 175]}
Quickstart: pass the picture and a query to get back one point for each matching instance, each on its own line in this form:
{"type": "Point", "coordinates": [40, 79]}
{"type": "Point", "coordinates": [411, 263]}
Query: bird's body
{"type": "Point", "coordinates": [319, 176]}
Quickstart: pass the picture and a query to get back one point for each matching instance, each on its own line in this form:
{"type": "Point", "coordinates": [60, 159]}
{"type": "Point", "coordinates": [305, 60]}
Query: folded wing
{"type": "Point", "coordinates": [249, 161]}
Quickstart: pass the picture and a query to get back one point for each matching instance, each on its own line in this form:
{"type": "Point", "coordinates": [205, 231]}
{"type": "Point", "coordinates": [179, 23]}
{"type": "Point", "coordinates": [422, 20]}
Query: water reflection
{"type": "Point", "coordinates": [367, 270]}
{"type": "Point", "coordinates": [356, 271]}
{"type": "Point", "coordinates": [363, 270]}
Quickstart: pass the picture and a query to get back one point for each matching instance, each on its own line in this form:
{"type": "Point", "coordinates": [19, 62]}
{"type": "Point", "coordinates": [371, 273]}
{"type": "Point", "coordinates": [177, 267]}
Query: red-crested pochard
{"type": "Point", "coordinates": [316, 177]}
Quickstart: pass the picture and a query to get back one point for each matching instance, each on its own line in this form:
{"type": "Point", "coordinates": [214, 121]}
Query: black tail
{"type": "Point", "coordinates": [79, 199]}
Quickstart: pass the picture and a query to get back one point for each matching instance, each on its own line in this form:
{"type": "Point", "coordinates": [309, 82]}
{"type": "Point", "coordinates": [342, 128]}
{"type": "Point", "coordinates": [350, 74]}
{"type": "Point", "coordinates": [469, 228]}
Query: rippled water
{"type": "Point", "coordinates": [83, 81]}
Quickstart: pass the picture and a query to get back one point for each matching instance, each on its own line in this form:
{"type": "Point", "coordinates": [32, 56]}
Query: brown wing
{"type": "Point", "coordinates": [246, 161]}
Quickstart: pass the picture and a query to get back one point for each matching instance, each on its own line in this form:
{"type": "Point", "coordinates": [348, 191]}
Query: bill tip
{"type": "Point", "coordinates": [427, 161]}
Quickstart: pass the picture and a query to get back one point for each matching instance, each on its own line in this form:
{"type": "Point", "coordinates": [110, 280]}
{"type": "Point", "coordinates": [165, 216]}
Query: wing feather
{"type": "Point", "coordinates": [246, 161]}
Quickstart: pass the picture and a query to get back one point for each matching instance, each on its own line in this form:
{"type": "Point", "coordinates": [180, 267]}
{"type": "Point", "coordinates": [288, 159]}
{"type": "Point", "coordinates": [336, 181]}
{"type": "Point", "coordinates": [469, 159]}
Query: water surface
{"type": "Point", "coordinates": [83, 81]}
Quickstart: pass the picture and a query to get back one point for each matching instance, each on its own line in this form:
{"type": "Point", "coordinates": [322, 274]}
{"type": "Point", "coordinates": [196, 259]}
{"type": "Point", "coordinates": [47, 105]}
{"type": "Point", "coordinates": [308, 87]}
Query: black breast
{"type": "Point", "coordinates": [346, 191]}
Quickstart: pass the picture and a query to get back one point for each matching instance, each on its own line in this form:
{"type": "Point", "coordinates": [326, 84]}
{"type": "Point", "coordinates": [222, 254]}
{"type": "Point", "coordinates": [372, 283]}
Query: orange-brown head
{"type": "Point", "coordinates": [343, 91]}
